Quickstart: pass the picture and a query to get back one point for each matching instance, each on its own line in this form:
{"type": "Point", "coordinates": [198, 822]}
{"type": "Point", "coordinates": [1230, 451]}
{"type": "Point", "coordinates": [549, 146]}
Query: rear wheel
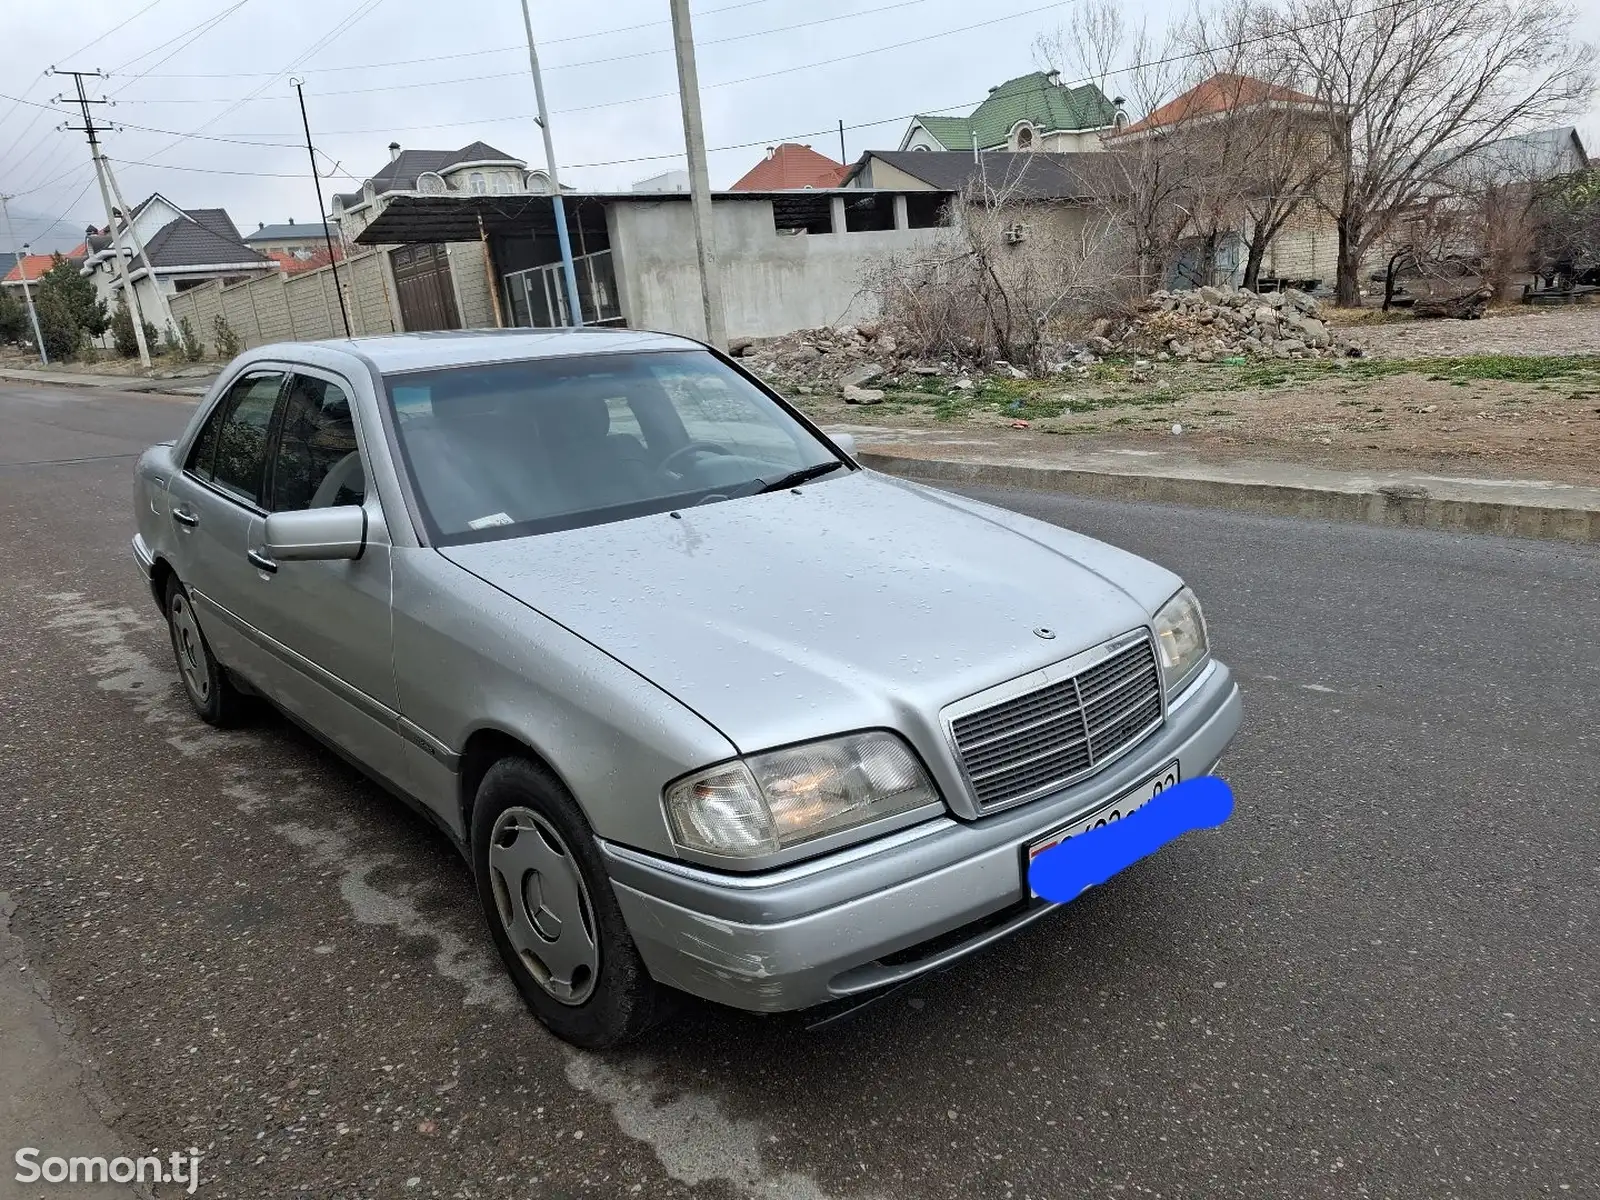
{"type": "Point", "coordinates": [551, 910]}
{"type": "Point", "coordinates": [205, 682]}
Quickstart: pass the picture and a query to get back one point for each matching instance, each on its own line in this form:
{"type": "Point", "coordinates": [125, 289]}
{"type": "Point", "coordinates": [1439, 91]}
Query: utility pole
{"type": "Point", "coordinates": [574, 304]}
{"type": "Point", "coordinates": [694, 138]}
{"type": "Point", "coordinates": [333, 261]}
{"type": "Point", "coordinates": [100, 171]}
{"type": "Point", "coordinates": [842, 158]}
{"type": "Point", "coordinates": [22, 270]}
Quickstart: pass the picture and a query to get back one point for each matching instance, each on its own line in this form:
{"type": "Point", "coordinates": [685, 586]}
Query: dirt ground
{"type": "Point", "coordinates": [1568, 329]}
{"type": "Point", "coordinates": [1457, 397]}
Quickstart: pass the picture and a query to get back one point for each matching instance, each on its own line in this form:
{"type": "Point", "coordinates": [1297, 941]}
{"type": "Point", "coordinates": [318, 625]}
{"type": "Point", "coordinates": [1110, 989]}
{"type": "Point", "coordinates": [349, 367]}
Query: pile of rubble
{"type": "Point", "coordinates": [1207, 325]}
{"type": "Point", "coordinates": [1216, 323]}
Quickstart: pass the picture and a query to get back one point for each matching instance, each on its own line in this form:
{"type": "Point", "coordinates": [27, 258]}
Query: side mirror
{"type": "Point", "coordinates": [845, 442]}
{"type": "Point", "coordinates": [317, 533]}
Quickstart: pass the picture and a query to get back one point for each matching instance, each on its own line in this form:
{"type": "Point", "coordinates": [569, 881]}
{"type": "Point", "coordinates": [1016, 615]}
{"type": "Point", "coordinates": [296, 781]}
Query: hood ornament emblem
{"type": "Point", "coordinates": [1045, 632]}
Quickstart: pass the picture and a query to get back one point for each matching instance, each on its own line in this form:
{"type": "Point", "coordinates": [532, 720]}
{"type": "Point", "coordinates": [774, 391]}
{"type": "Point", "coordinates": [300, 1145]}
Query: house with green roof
{"type": "Point", "coordinates": [1031, 112]}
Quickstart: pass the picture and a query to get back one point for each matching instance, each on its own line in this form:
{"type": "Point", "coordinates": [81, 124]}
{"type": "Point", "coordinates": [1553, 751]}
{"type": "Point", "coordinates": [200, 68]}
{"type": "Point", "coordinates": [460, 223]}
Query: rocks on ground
{"type": "Point", "coordinates": [1206, 325]}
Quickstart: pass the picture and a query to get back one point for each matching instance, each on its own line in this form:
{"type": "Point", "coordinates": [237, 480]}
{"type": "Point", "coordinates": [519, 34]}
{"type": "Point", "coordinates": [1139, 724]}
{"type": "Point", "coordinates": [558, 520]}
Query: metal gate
{"type": "Point", "coordinates": [422, 277]}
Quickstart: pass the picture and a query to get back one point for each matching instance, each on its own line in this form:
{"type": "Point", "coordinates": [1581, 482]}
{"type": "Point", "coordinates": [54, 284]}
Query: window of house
{"type": "Point", "coordinates": [502, 184]}
{"type": "Point", "coordinates": [476, 183]}
{"type": "Point", "coordinates": [231, 450]}
{"type": "Point", "coordinates": [869, 214]}
{"type": "Point", "coordinates": [802, 214]}
{"type": "Point", "coordinates": [317, 464]}
{"type": "Point", "coordinates": [1025, 138]}
{"type": "Point", "coordinates": [927, 210]}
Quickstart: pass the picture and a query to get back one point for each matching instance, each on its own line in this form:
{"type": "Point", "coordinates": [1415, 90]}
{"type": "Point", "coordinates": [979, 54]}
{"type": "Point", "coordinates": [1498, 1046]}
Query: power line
{"type": "Point", "coordinates": [668, 95]}
{"type": "Point", "coordinates": [410, 62]}
{"type": "Point", "coordinates": [588, 62]}
{"type": "Point", "coordinates": [198, 29]}
{"type": "Point", "coordinates": [120, 24]}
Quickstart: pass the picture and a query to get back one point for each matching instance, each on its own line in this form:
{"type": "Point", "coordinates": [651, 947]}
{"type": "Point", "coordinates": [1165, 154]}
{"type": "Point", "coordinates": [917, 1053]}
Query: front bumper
{"type": "Point", "coordinates": [889, 909]}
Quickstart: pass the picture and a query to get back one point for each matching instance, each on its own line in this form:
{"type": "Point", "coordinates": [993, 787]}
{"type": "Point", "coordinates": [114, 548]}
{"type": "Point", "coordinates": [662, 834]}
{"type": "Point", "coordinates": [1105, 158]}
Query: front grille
{"type": "Point", "coordinates": [1037, 741]}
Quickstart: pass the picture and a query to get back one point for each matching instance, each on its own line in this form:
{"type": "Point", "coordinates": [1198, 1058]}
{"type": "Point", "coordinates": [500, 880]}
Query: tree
{"type": "Point", "coordinates": [1144, 183]}
{"type": "Point", "coordinates": [1567, 231]}
{"type": "Point", "coordinates": [76, 294]}
{"type": "Point", "coordinates": [58, 325]}
{"type": "Point", "coordinates": [1270, 147]}
{"type": "Point", "coordinates": [1408, 89]}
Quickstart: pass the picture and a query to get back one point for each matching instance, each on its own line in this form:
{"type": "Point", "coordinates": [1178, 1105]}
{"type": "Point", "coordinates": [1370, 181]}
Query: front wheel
{"type": "Point", "coordinates": [551, 910]}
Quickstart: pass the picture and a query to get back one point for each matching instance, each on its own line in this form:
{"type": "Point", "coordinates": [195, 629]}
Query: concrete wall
{"type": "Point", "coordinates": [772, 284]}
{"type": "Point", "coordinates": [302, 307]}
{"type": "Point", "coordinates": [471, 282]}
{"type": "Point", "coordinates": [879, 174]}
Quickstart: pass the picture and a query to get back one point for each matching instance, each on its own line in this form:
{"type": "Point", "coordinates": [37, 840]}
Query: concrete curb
{"type": "Point", "coordinates": [1404, 507]}
{"type": "Point", "coordinates": [162, 387]}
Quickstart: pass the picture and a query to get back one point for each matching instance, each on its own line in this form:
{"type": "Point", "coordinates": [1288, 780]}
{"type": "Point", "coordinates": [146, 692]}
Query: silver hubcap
{"type": "Point", "coordinates": [191, 650]}
{"type": "Point", "coordinates": [543, 904]}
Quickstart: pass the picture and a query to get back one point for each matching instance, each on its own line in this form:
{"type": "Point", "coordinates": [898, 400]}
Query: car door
{"type": "Point", "coordinates": [211, 504]}
{"type": "Point", "coordinates": [327, 623]}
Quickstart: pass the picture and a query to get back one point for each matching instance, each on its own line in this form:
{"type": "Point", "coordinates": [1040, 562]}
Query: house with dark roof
{"type": "Point", "coordinates": [1032, 112]}
{"type": "Point", "coordinates": [185, 248]}
{"type": "Point", "coordinates": [790, 166]}
{"type": "Point", "coordinates": [298, 241]}
{"type": "Point", "coordinates": [476, 169]}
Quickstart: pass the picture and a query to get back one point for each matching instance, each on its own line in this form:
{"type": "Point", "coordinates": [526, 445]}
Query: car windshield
{"type": "Point", "coordinates": [509, 449]}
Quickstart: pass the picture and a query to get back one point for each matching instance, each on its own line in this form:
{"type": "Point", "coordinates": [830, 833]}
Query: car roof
{"type": "Point", "coordinates": [464, 347]}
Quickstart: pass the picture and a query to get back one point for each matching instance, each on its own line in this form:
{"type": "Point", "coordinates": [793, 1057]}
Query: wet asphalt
{"type": "Point", "coordinates": [1381, 977]}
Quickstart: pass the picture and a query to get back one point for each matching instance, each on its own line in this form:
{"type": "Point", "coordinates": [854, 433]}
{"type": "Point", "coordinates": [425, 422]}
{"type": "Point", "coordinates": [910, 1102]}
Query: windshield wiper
{"type": "Point", "coordinates": [796, 478]}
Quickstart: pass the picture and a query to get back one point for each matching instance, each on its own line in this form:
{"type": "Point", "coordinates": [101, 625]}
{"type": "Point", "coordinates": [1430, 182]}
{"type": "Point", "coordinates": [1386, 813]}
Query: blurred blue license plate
{"type": "Point", "coordinates": [1134, 798]}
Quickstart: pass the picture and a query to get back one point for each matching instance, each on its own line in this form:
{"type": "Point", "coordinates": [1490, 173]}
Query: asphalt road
{"type": "Point", "coordinates": [1379, 978]}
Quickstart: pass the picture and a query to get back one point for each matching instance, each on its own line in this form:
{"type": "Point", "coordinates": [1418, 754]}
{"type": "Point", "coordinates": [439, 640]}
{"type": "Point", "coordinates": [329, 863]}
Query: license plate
{"type": "Point", "coordinates": [1134, 798]}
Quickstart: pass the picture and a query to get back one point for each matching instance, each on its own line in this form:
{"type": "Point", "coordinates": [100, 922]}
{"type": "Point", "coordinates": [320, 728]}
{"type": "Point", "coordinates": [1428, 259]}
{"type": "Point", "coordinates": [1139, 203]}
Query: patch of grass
{"type": "Point", "coordinates": [1219, 412]}
{"type": "Point", "coordinates": [1125, 421]}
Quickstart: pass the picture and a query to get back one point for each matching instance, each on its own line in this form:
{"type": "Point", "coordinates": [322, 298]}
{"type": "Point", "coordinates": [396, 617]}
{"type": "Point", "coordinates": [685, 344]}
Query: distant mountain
{"type": "Point", "coordinates": [46, 232]}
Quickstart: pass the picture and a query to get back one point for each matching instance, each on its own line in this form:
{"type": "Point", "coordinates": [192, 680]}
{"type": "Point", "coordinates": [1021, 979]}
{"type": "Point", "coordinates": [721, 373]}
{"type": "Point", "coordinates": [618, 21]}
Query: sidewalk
{"type": "Point", "coordinates": [183, 385]}
{"type": "Point", "coordinates": [1534, 508]}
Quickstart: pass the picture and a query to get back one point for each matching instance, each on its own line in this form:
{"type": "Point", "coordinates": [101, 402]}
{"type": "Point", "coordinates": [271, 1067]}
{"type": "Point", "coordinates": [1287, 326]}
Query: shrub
{"type": "Point", "coordinates": [122, 333]}
{"type": "Point", "coordinates": [229, 343]}
{"type": "Point", "coordinates": [189, 343]}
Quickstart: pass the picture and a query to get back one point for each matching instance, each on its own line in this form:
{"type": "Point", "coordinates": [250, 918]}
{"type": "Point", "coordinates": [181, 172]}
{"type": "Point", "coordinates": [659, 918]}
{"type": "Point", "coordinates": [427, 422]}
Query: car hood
{"type": "Point", "coordinates": [856, 602]}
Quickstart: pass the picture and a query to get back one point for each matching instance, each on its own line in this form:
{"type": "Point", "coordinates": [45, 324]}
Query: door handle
{"type": "Point", "coordinates": [184, 517]}
{"type": "Point", "coordinates": [258, 559]}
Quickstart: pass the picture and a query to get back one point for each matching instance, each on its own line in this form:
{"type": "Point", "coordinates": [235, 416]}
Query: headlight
{"type": "Point", "coordinates": [1181, 635]}
{"type": "Point", "coordinates": [769, 802]}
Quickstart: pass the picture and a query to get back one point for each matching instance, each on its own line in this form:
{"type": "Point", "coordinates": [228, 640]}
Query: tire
{"type": "Point", "coordinates": [205, 681]}
{"type": "Point", "coordinates": [552, 912]}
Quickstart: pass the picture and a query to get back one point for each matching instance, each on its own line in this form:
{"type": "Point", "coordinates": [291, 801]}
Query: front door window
{"type": "Point", "coordinates": [230, 452]}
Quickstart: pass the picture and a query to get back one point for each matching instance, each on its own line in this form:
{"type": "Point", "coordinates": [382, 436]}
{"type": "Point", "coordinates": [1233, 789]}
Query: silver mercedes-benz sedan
{"type": "Point", "coordinates": [706, 705]}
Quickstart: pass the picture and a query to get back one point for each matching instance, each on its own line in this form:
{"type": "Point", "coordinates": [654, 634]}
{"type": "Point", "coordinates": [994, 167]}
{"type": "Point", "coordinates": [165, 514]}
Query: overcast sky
{"type": "Point", "coordinates": [762, 81]}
